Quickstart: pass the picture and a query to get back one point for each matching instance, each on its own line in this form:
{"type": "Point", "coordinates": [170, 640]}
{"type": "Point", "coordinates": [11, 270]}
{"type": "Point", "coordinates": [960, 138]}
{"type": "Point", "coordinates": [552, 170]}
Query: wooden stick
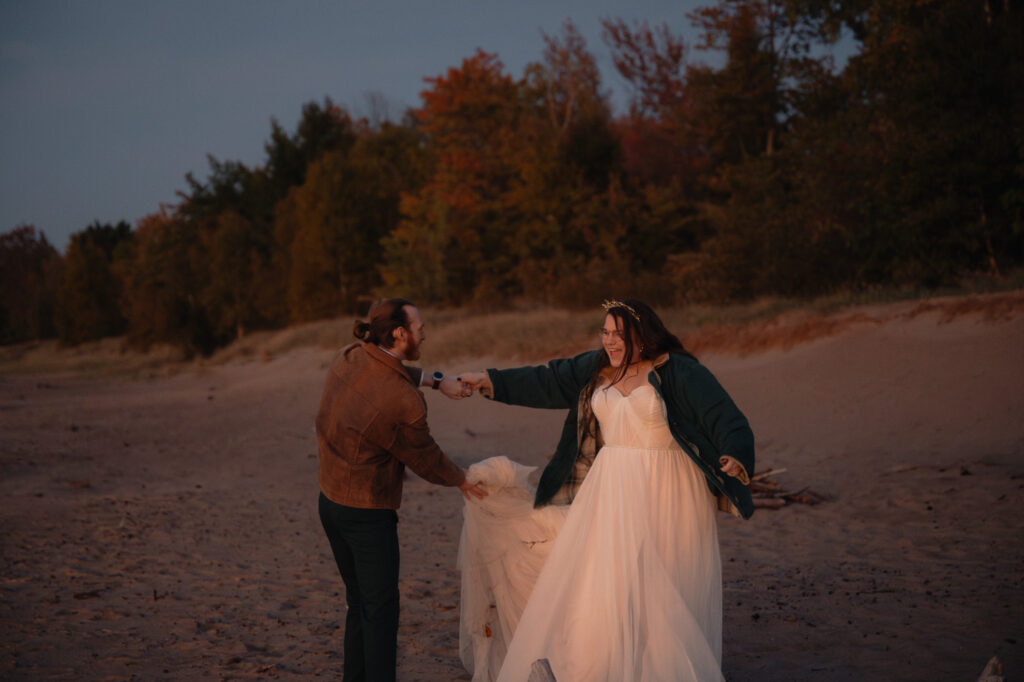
{"type": "Point", "coordinates": [804, 496]}
{"type": "Point", "coordinates": [766, 474]}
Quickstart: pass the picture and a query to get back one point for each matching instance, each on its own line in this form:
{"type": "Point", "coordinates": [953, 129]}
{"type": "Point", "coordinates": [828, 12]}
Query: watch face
{"type": "Point", "coordinates": [438, 376]}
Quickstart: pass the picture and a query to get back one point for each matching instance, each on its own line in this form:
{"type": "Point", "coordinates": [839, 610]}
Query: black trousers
{"type": "Point", "coordinates": [365, 546]}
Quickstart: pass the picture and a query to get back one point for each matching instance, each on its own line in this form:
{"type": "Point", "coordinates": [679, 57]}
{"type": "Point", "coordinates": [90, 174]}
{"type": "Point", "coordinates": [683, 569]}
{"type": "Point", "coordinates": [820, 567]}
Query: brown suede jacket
{"type": "Point", "coordinates": [371, 424]}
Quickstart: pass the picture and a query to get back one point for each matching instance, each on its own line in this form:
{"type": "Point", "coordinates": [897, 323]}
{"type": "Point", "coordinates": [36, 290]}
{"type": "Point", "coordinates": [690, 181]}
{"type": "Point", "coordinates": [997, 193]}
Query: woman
{"type": "Point", "coordinates": [631, 587]}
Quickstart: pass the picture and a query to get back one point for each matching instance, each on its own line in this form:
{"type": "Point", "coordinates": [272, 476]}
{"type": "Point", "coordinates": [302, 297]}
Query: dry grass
{"type": "Point", "coordinates": [794, 327]}
{"type": "Point", "coordinates": [528, 335]}
{"type": "Point", "coordinates": [95, 358]}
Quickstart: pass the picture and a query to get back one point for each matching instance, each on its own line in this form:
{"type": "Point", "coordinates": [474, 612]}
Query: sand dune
{"type": "Point", "coordinates": [166, 528]}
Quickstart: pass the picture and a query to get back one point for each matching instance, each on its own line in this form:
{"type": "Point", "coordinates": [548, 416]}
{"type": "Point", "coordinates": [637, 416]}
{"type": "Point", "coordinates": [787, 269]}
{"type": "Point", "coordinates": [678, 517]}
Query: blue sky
{"type": "Point", "coordinates": [105, 105]}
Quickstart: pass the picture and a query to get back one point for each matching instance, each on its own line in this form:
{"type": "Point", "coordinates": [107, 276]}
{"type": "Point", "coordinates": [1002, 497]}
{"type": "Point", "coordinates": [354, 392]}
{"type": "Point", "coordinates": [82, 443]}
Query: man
{"type": "Point", "coordinates": [372, 423]}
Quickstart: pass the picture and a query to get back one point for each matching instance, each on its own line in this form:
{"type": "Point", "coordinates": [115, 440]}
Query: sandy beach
{"type": "Point", "coordinates": [165, 527]}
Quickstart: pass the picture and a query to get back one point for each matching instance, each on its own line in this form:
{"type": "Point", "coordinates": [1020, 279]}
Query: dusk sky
{"type": "Point", "coordinates": [105, 105]}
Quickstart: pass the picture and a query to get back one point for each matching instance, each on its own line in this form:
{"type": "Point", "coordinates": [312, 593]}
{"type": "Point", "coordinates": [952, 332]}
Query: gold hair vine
{"type": "Point", "coordinates": [608, 305]}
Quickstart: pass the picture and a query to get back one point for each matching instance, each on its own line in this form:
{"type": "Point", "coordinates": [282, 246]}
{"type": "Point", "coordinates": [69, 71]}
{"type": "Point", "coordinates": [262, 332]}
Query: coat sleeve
{"type": "Point", "coordinates": [417, 449]}
{"type": "Point", "coordinates": [555, 385]}
{"type": "Point", "coordinates": [415, 373]}
{"type": "Point", "coordinates": [718, 416]}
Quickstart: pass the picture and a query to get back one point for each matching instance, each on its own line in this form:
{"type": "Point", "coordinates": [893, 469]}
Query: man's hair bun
{"type": "Point", "coordinates": [361, 330]}
{"type": "Point", "coordinates": [385, 317]}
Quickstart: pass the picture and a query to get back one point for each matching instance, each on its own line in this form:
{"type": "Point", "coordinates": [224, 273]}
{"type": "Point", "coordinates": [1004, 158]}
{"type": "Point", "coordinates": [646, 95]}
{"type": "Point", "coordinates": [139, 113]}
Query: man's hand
{"type": "Point", "coordinates": [473, 489]}
{"type": "Point", "coordinates": [478, 381]}
{"type": "Point", "coordinates": [456, 389]}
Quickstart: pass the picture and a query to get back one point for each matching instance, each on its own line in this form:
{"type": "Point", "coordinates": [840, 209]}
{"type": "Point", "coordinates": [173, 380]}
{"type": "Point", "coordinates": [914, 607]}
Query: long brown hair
{"type": "Point", "coordinates": [640, 325]}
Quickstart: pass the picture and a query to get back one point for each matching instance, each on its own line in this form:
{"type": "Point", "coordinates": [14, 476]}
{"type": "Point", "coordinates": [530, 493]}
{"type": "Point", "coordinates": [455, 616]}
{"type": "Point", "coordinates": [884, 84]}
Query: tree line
{"type": "Point", "coordinates": [775, 173]}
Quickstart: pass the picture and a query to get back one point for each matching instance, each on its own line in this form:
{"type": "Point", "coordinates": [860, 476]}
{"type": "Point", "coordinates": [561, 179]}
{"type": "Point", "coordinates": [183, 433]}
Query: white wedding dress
{"type": "Point", "coordinates": [624, 585]}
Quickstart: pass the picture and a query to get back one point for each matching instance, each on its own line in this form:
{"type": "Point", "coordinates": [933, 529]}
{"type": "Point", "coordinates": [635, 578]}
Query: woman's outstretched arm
{"type": "Point", "coordinates": [555, 385]}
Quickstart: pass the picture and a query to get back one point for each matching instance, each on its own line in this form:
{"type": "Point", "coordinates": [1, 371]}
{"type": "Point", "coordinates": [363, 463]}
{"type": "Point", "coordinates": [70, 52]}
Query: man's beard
{"type": "Point", "coordinates": [412, 351]}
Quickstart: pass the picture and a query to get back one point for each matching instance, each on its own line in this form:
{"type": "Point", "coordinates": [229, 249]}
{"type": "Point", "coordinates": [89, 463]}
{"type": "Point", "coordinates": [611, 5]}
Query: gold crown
{"type": "Point", "coordinates": [608, 305]}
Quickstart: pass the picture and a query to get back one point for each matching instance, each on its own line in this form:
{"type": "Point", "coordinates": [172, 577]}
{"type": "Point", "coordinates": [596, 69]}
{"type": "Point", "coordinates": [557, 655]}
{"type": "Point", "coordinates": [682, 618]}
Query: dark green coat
{"type": "Point", "coordinates": [701, 416]}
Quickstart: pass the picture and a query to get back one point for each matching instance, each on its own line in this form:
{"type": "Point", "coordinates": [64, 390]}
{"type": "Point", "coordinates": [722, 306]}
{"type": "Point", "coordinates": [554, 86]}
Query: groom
{"type": "Point", "coordinates": [372, 423]}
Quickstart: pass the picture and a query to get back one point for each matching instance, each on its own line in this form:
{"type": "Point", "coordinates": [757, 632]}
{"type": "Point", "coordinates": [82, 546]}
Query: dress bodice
{"type": "Point", "coordinates": [637, 420]}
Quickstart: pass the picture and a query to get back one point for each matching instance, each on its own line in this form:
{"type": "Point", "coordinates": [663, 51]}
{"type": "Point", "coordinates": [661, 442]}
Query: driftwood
{"type": "Point", "coordinates": [993, 671]}
{"type": "Point", "coordinates": [765, 474]}
{"type": "Point", "coordinates": [540, 671]}
{"type": "Point", "coordinates": [768, 494]}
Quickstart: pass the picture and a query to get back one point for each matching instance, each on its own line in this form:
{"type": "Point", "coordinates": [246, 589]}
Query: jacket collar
{"type": "Point", "coordinates": [386, 359]}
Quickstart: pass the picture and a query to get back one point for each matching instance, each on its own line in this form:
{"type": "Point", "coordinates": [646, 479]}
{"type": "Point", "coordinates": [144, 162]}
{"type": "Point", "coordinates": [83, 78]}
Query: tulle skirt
{"type": "Point", "coordinates": [623, 585]}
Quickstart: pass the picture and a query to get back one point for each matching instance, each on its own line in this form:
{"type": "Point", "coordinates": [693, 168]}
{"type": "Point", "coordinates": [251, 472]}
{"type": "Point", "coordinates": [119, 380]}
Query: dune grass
{"type": "Point", "coordinates": [92, 359]}
{"type": "Point", "coordinates": [535, 333]}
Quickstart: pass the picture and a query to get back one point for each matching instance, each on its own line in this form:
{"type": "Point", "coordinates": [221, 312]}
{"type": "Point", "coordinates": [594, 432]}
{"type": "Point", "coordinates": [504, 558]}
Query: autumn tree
{"type": "Point", "coordinates": [30, 273]}
{"type": "Point", "coordinates": [341, 212]}
{"type": "Point", "coordinates": [667, 157]}
{"type": "Point", "coordinates": [234, 212]}
{"type": "Point", "coordinates": [470, 117]}
{"type": "Point", "coordinates": [162, 285]}
{"type": "Point", "coordinates": [937, 107]}
{"type": "Point", "coordinates": [322, 129]}
{"type": "Point", "coordinates": [706, 142]}
{"type": "Point", "coordinates": [773, 172]}
{"type": "Point", "coordinates": [89, 297]}
{"type": "Point", "coordinates": [567, 238]}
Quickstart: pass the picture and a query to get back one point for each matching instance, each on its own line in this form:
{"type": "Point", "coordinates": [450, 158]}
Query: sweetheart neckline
{"type": "Point", "coordinates": [626, 395]}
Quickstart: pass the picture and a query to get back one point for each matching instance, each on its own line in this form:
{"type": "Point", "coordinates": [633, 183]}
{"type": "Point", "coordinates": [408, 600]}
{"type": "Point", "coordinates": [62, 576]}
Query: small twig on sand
{"type": "Point", "coordinates": [764, 486]}
{"type": "Point", "coordinates": [767, 493]}
{"type": "Point", "coordinates": [766, 474]}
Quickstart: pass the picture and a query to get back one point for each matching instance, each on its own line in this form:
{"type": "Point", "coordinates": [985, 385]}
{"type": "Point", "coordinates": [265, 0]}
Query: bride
{"type": "Point", "coordinates": [613, 573]}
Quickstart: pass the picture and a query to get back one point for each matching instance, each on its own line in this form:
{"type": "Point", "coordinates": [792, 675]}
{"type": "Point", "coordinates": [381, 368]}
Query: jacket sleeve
{"type": "Point", "coordinates": [555, 385]}
{"type": "Point", "coordinates": [718, 416]}
{"type": "Point", "coordinates": [415, 373]}
{"type": "Point", "coordinates": [417, 449]}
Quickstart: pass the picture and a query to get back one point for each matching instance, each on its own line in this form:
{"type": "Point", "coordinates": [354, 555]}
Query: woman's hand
{"type": "Point", "coordinates": [478, 381]}
{"type": "Point", "coordinates": [731, 467]}
{"type": "Point", "coordinates": [455, 388]}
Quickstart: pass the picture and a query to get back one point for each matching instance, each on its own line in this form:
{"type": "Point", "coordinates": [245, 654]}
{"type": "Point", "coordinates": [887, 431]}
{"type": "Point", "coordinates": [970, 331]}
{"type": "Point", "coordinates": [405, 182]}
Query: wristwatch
{"type": "Point", "coordinates": [438, 378]}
